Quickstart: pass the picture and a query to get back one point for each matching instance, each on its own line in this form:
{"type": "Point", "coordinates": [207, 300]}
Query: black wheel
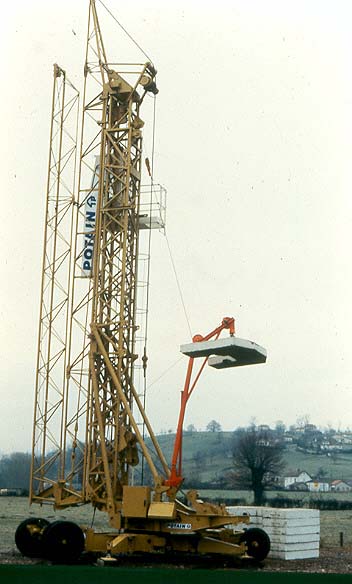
{"type": "Point", "coordinates": [257, 542]}
{"type": "Point", "coordinates": [63, 542]}
{"type": "Point", "coordinates": [29, 536]}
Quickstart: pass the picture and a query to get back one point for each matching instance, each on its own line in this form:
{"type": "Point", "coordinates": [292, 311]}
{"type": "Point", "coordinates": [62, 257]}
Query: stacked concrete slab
{"type": "Point", "coordinates": [294, 533]}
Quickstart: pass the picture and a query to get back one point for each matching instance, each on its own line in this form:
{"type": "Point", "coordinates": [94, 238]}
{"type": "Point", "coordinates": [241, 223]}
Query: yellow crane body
{"type": "Point", "coordinates": [89, 418]}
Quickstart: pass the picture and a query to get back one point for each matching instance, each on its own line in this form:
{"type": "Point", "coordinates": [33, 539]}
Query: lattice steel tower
{"type": "Point", "coordinates": [85, 434]}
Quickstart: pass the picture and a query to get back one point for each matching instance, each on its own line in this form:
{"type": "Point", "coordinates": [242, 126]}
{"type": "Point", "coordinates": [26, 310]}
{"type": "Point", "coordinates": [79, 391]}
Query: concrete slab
{"type": "Point", "coordinates": [294, 533]}
{"type": "Point", "coordinates": [295, 547]}
{"type": "Point", "coordinates": [226, 352]}
{"type": "Point", "coordinates": [297, 538]}
{"type": "Point", "coordinates": [279, 512]}
{"type": "Point", "coordinates": [219, 362]}
{"type": "Point", "coordinates": [295, 530]}
{"type": "Point", "coordinates": [296, 555]}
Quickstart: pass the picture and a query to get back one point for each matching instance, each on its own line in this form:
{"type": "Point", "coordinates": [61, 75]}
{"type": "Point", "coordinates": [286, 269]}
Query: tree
{"type": "Point", "coordinates": [252, 423]}
{"type": "Point", "coordinates": [321, 472]}
{"type": "Point", "coordinates": [280, 427]}
{"type": "Point", "coordinates": [199, 458]}
{"type": "Point", "coordinates": [303, 421]}
{"type": "Point", "coordinates": [15, 470]}
{"type": "Point", "coordinates": [257, 458]}
{"type": "Point", "coordinates": [191, 428]}
{"type": "Point", "coordinates": [213, 426]}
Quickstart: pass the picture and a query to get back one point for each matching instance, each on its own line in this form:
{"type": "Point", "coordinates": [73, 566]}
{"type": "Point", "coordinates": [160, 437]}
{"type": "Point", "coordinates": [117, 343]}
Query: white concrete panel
{"type": "Point", "coordinates": [236, 351]}
{"type": "Point", "coordinates": [295, 547]}
{"type": "Point", "coordinates": [295, 538]}
{"type": "Point", "coordinates": [294, 533]}
{"type": "Point", "coordinates": [296, 555]}
{"type": "Point", "coordinates": [293, 530]}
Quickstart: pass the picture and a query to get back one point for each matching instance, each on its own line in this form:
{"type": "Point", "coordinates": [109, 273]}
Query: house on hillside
{"type": "Point", "coordinates": [326, 445]}
{"type": "Point", "coordinates": [301, 476]}
{"type": "Point", "coordinates": [310, 428]}
{"type": "Point", "coordinates": [340, 486]}
{"type": "Point", "coordinates": [264, 428]}
{"type": "Point", "coordinates": [344, 439]}
{"type": "Point", "coordinates": [289, 437]}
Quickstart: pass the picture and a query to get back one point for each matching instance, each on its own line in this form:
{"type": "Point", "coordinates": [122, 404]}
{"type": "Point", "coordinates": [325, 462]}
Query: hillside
{"type": "Point", "coordinates": [207, 456]}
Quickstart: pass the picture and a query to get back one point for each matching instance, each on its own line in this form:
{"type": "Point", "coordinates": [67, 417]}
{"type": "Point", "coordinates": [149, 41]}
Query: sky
{"type": "Point", "coordinates": [254, 145]}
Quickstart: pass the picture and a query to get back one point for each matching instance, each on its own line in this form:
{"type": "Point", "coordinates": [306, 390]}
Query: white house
{"type": "Point", "coordinates": [340, 486]}
{"type": "Point", "coordinates": [318, 486]}
{"type": "Point", "coordinates": [298, 477]}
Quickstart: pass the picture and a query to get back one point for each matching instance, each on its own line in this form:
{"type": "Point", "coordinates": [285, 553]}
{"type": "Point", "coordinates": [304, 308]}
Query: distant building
{"type": "Point", "coordinates": [263, 428]}
{"type": "Point", "coordinates": [317, 486]}
{"type": "Point", "coordinates": [296, 477]}
{"type": "Point", "coordinates": [310, 428]}
{"type": "Point", "coordinates": [340, 486]}
{"type": "Point", "coordinates": [326, 445]}
{"type": "Point", "coordinates": [345, 438]}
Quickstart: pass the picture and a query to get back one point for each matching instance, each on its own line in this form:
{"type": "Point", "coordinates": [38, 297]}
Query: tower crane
{"type": "Point", "coordinates": [88, 413]}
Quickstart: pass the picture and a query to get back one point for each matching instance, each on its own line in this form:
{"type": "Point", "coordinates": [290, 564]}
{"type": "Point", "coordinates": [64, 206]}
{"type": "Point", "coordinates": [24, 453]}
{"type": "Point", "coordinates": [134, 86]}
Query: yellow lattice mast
{"type": "Point", "coordinates": [87, 456]}
{"type": "Point", "coordinates": [48, 450]}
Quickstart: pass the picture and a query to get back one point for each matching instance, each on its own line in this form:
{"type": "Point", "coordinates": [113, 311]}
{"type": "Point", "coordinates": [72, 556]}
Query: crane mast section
{"type": "Point", "coordinates": [48, 445]}
{"type": "Point", "coordinates": [110, 436]}
{"type": "Point", "coordinates": [98, 438]}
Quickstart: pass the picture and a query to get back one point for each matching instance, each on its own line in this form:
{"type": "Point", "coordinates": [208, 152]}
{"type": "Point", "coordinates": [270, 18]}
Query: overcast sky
{"type": "Point", "coordinates": [254, 145]}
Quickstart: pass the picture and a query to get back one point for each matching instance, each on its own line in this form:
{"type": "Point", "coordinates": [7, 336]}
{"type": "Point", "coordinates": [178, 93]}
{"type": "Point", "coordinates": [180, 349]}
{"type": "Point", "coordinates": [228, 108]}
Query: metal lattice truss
{"type": "Point", "coordinates": [56, 276]}
{"type": "Point", "coordinates": [93, 441]}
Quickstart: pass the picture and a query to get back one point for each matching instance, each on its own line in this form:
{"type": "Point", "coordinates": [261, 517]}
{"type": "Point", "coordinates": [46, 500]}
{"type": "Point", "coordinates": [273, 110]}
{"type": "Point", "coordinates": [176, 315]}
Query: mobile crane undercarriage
{"type": "Point", "coordinates": [88, 413]}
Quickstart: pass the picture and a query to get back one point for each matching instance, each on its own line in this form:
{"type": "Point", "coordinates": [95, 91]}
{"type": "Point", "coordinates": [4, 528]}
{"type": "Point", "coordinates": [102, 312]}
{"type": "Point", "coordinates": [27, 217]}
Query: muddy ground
{"type": "Point", "coordinates": [331, 561]}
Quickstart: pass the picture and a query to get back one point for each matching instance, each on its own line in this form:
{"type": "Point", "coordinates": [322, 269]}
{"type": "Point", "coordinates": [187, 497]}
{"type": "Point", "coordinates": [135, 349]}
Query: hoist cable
{"type": "Point", "coordinates": [165, 371]}
{"type": "Point", "coordinates": [179, 286]}
{"type": "Point", "coordinates": [125, 31]}
{"type": "Point", "coordinates": [150, 220]}
{"type": "Point", "coordinates": [148, 278]}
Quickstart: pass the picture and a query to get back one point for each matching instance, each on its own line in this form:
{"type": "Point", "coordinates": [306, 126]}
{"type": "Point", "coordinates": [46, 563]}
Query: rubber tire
{"type": "Point", "coordinates": [31, 544]}
{"type": "Point", "coordinates": [257, 542]}
{"type": "Point", "coordinates": [63, 542]}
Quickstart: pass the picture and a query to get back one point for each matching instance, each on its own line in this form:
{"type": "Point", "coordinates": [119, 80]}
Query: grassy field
{"type": "Point", "coordinates": [13, 510]}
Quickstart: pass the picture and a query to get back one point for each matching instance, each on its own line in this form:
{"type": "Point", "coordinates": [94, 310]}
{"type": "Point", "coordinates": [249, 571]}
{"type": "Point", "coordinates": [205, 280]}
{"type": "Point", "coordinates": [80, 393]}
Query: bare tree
{"type": "Point", "coordinates": [191, 428]}
{"type": "Point", "coordinates": [257, 458]}
{"type": "Point", "coordinates": [303, 421]}
{"type": "Point", "coordinates": [14, 470]}
{"type": "Point", "coordinates": [213, 426]}
{"type": "Point", "coordinates": [280, 427]}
